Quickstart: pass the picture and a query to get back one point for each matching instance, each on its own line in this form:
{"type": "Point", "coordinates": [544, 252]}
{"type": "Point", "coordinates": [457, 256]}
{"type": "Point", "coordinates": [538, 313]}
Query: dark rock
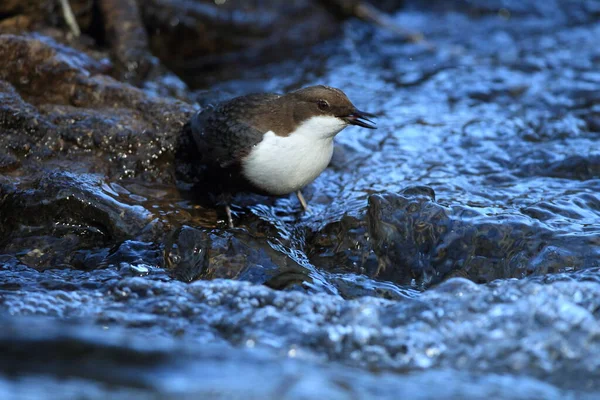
{"type": "Point", "coordinates": [185, 253]}
{"type": "Point", "coordinates": [64, 106]}
{"type": "Point", "coordinates": [190, 37]}
{"type": "Point", "coordinates": [8, 162]}
{"type": "Point", "coordinates": [195, 38]}
{"type": "Point", "coordinates": [133, 253]}
{"type": "Point", "coordinates": [342, 247]}
{"type": "Point", "coordinates": [46, 223]}
{"type": "Point", "coordinates": [129, 40]}
{"type": "Point", "coordinates": [193, 254]}
{"type": "Point", "coordinates": [418, 240]}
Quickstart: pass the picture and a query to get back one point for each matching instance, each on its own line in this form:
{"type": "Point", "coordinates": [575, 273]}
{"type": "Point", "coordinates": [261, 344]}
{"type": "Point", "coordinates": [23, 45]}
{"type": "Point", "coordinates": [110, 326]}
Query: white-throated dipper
{"type": "Point", "coordinates": [271, 143]}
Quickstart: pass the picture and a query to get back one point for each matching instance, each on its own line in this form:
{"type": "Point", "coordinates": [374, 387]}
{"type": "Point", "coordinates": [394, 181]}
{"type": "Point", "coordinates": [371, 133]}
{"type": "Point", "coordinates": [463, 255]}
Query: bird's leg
{"type": "Point", "coordinates": [224, 199]}
{"type": "Point", "coordinates": [70, 17]}
{"type": "Point", "coordinates": [303, 202]}
{"type": "Point", "coordinates": [229, 218]}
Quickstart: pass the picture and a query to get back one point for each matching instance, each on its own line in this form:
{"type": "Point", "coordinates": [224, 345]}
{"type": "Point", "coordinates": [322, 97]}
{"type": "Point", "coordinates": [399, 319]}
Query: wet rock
{"type": "Point", "coordinates": [56, 103]}
{"type": "Point", "coordinates": [193, 254]}
{"type": "Point", "coordinates": [418, 240]}
{"type": "Point", "coordinates": [186, 253]}
{"type": "Point", "coordinates": [18, 15]}
{"type": "Point", "coordinates": [52, 221]}
{"type": "Point", "coordinates": [134, 253]}
{"type": "Point", "coordinates": [220, 37]}
{"type": "Point", "coordinates": [245, 257]}
{"type": "Point", "coordinates": [191, 38]}
{"type": "Point", "coordinates": [342, 247]}
{"type": "Point", "coordinates": [129, 40]}
{"type": "Point", "coordinates": [351, 286]}
{"type": "Point", "coordinates": [8, 162]}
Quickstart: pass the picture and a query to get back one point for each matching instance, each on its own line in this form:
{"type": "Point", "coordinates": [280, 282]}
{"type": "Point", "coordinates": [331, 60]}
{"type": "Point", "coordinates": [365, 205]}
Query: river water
{"type": "Point", "coordinates": [498, 113]}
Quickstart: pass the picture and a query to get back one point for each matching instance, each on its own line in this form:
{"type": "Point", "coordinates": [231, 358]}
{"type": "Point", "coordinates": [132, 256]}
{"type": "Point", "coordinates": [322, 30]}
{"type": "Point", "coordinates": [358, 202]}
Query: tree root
{"type": "Point", "coordinates": [369, 13]}
{"type": "Point", "coordinates": [128, 40]}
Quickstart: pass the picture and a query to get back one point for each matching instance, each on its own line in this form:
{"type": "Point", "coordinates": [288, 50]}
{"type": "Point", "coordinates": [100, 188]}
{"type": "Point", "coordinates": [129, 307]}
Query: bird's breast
{"type": "Point", "coordinates": [284, 164]}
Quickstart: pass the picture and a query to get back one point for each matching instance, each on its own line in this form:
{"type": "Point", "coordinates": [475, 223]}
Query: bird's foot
{"type": "Point", "coordinates": [302, 201]}
{"type": "Point", "coordinates": [229, 217]}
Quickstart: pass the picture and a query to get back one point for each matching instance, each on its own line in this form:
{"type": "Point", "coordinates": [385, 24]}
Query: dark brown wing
{"type": "Point", "coordinates": [224, 133]}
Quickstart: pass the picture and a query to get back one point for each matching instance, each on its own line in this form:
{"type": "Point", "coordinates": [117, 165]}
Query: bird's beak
{"type": "Point", "coordinates": [361, 118]}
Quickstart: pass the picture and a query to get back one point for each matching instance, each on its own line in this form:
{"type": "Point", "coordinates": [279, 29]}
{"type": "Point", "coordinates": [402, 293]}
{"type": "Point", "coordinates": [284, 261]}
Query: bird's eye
{"type": "Point", "coordinates": [323, 104]}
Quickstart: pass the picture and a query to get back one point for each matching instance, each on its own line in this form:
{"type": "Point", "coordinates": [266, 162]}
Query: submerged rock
{"type": "Point", "coordinates": [192, 254]}
{"type": "Point", "coordinates": [342, 247]}
{"type": "Point", "coordinates": [417, 239]}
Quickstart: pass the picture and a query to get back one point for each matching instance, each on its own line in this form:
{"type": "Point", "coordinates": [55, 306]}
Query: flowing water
{"type": "Point", "coordinates": [498, 113]}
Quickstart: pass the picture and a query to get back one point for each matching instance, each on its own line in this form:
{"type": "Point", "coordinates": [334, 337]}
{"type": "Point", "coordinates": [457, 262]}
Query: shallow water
{"type": "Point", "coordinates": [500, 116]}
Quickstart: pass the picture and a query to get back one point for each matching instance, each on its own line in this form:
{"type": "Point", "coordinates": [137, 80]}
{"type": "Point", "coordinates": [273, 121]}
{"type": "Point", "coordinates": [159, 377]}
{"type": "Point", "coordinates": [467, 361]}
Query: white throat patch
{"type": "Point", "coordinates": [284, 164]}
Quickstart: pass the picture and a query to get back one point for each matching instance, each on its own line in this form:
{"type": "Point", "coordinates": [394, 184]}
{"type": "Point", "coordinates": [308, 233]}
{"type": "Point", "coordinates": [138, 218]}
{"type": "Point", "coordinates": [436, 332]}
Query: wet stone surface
{"type": "Point", "coordinates": [417, 239]}
{"type": "Point", "coordinates": [485, 167]}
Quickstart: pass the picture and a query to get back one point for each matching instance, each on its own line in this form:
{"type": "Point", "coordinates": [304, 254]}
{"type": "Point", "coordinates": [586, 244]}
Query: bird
{"type": "Point", "coordinates": [269, 143]}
